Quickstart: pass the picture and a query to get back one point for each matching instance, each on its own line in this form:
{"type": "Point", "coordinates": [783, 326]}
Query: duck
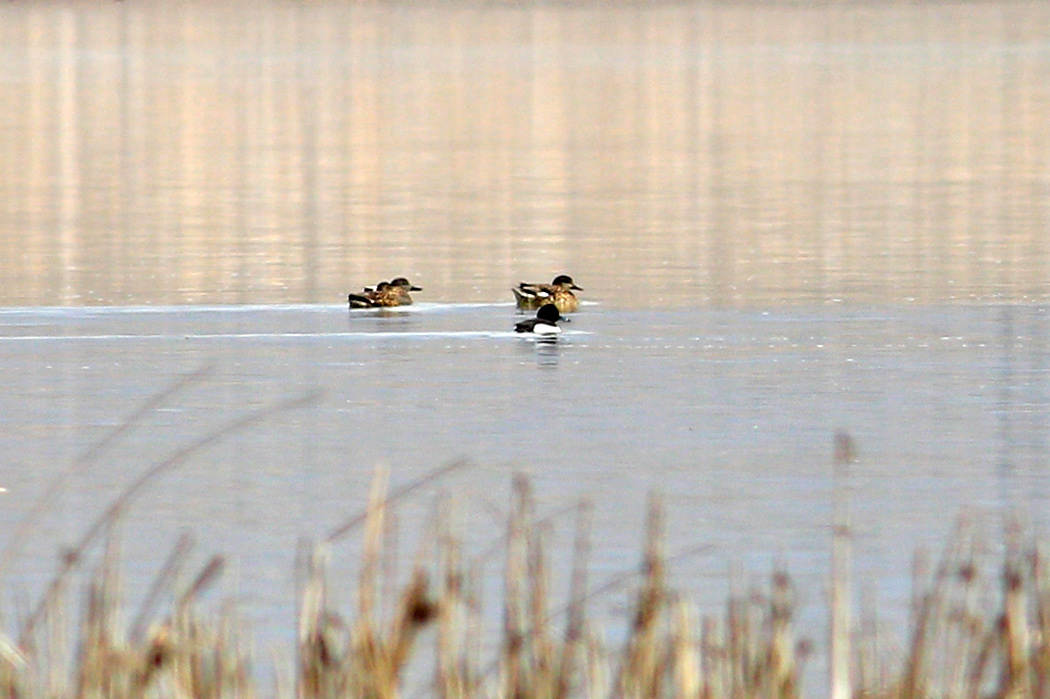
{"type": "Point", "coordinates": [385, 294]}
{"type": "Point", "coordinates": [559, 292]}
{"type": "Point", "coordinates": [545, 322]}
{"type": "Point", "coordinates": [365, 298]}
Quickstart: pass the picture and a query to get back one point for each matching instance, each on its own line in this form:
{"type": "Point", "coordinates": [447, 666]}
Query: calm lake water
{"type": "Point", "coordinates": [727, 414]}
{"type": "Point", "coordinates": [787, 221]}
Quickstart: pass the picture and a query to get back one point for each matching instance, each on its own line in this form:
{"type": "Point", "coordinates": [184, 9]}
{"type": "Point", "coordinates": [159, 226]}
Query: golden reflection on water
{"type": "Point", "coordinates": [690, 153]}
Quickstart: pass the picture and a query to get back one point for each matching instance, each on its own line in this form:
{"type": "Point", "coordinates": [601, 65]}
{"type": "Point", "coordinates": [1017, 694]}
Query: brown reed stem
{"type": "Point", "coordinates": [54, 488]}
{"type": "Point", "coordinates": [398, 494]}
{"type": "Point", "coordinates": [514, 686]}
{"type": "Point", "coordinates": [161, 583]}
{"type": "Point", "coordinates": [577, 601]}
{"type": "Point", "coordinates": [840, 681]}
{"type": "Point", "coordinates": [147, 478]}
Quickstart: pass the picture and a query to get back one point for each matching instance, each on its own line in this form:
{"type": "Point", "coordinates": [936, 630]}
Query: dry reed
{"type": "Point", "coordinates": [979, 627]}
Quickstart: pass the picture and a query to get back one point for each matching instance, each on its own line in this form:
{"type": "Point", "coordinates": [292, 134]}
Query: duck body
{"type": "Point", "coordinates": [384, 295]}
{"type": "Point", "coordinates": [559, 292]}
{"type": "Point", "coordinates": [545, 322]}
{"type": "Point", "coordinates": [368, 296]}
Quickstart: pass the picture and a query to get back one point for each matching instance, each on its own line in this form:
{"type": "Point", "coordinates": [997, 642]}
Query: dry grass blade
{"type": "Point", "coordinates": [205, 579]}
{"type": "Point", "coordinates": [515, 573]}
{"type": "Point", "coordinates": [322, 635]}
{"type": "Point", "coordinates": [456, 665]}
{"type": "Point", "coordinates": [375, 516]}
{"type": "Point", "coordinates": [399, 494]}
{"type": "Point", "coordinates": [978, 631]}
{"type": "Point", "coordinates": [577, 602]}
{"type": "Point", "coordinates": [641, 672]}
{"type": "Point", "coordinates": [365, 659]}
{"type": "Point", "coordinates": [684, 655]}
{"type": "Point", "coordinates": [781, 662]}
{"type": "Point", "coordinates": [54, 488]}
{"type": "Point", "coordinates": [1041, 655]}
{"type": "Point", "coordinates": [415, 611]}
{"type": "Point", "coordinates": [931, 610]}
{"type": "Point", "coordinates": [148, 477]}
{"type": "Point", "coordinates": [1014, 676]}
{"type": "Point", "coordinates": [162, 582]}
{"type": "Point", "coordinates": [841, 591]}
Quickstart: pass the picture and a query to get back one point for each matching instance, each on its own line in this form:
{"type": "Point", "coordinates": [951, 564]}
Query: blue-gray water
{"type": "Point", "coordinates": [729, 415]}
{"type": "Point", "coordinates": [788, 219]}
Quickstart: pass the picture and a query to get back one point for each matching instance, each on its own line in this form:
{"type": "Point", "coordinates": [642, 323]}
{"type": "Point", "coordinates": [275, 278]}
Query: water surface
{"type": "Point", "coordinates": [719, 154]}
{"type": "Point", "coordinates": [788, 220]}
{"type": "Point", "coordinates": [727, 414]}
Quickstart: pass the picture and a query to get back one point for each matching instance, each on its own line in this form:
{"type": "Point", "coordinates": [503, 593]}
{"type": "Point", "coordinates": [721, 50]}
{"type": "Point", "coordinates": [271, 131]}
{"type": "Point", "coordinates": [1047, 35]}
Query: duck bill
{"type": "Point", "coordinates": [576, 288]}
{"type": "Point", "coordinates": [415, 288]}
